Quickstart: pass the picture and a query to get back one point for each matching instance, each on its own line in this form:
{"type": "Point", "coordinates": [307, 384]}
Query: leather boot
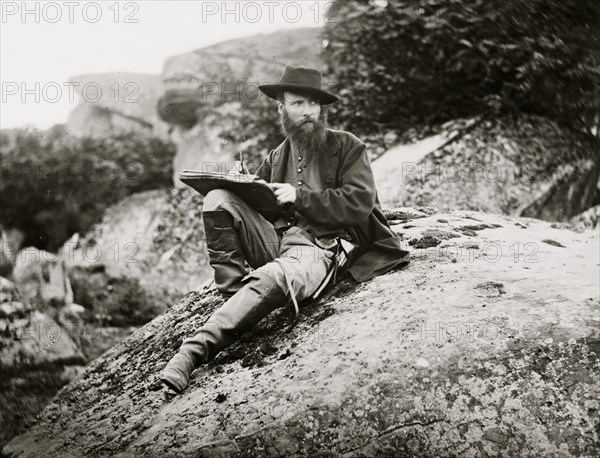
{"type": "Point", "coordinates": [177, 372]}
{"type": "Point", "coordinates": [224, 251]}
{"type": "Point", "coordinates": [258, 297]}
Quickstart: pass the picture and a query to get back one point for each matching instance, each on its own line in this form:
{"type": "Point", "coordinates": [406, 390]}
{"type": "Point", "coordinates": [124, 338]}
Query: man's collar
{"type": "Point", "coordinates": [331, 142]}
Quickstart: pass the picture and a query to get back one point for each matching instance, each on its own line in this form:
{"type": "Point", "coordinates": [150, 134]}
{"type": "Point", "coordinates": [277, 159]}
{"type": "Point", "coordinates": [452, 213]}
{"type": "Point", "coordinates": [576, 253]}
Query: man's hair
{"type": "Point", "coordinates": [281, 96]}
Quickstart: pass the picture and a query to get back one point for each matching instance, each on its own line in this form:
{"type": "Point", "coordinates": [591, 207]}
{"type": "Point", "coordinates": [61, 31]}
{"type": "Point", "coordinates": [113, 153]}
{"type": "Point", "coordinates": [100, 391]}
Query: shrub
{"type": "Point", "coordinates": [113, 301]}
{"type": "Point", "coordinates": [398, 64]}
{"type": "Point", "coordinates": [54, 185]}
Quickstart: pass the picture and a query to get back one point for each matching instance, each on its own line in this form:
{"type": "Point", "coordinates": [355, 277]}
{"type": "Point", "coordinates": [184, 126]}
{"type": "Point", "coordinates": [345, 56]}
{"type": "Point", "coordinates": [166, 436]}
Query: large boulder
{"type": "Point", "coordinates": [32, 338]}
{"type": "Point", "coordinates": [155, 237]}
{"type": "Point", "coordinates": [37, 357]}
{"type": "Point", "coordinates": [486, 345]}
{"type": "Point", "coordinates": [530, 167]}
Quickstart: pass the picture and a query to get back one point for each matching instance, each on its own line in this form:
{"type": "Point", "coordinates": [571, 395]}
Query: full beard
{"type": "Point", "coordinates": [306, 138]}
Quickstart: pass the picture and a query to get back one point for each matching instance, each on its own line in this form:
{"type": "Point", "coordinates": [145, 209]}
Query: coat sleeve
{"type": "Point", "coordinates": [264, 171]}
{"type": "Point", "coordinates": [350, 203]}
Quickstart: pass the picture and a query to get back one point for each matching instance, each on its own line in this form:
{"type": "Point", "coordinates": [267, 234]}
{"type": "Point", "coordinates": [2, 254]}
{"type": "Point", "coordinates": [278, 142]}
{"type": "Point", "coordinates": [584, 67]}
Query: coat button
{"type": "Point", "coordinates": [299, 170]}
{"type": "Point", "coordinates": [299, 158]}
{"type": "Point", "coordinates": [300, 183]}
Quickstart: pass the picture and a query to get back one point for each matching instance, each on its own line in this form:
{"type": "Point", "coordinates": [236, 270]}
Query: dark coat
{"type": "Point", "coordinates": [348, 200]}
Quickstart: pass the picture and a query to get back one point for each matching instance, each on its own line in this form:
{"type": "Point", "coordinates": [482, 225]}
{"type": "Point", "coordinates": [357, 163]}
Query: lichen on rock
{"type": "Point", "coordinates": [482, 351]}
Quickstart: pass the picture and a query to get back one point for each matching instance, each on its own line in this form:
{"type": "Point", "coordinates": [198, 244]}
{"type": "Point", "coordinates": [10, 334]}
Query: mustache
{"type": "Point", "coordinates": [297, 127]}
{"type": "Point", "coordinates": [290, 127]}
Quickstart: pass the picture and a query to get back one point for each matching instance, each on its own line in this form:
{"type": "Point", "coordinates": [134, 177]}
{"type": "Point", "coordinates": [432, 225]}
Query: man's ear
{"type": "Point", "coordinates": [279, 107]}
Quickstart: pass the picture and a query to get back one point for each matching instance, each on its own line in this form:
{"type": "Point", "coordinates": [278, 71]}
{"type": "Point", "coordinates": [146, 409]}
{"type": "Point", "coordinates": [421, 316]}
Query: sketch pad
{"type": "Point", "coordinates": [250, 188]}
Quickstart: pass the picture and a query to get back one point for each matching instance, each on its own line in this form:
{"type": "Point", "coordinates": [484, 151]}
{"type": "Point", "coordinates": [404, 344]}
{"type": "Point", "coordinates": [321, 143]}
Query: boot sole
{"type": "Point", "coordinates": [172, 384]}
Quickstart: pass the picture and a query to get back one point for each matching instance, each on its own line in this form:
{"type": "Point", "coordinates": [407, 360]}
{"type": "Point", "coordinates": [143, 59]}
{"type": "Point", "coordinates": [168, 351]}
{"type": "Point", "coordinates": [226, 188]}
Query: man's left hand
{"type": "Point", "coordinates": [285, 193]}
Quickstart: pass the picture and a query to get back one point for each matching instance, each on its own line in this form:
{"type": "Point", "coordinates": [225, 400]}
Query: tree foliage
{"type": "Point", "coordinates": [53, 185]}
{"type": "Point", "coordinates": [398, 63]}
{"type": "Point", "coordinates": [113, 301]}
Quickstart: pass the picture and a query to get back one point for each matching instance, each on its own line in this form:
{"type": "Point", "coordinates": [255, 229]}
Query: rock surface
{"type": "Point", "coordinates": [588, 219]}
{"type": "Point", "coordinates": [30, 337]}
{"type": "Point", "coordinates": [530, 167]}
{"type": "Point", "coordinates": [36, 340]}
{"type": "Point", "coordinates": [486, 345]}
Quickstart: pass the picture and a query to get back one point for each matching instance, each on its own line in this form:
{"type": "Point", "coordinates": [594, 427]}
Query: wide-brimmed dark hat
{"type": "Point", "coordinates": [300, 80]}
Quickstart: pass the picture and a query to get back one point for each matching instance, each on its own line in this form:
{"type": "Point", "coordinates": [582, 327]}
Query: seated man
{"type": "Point", "coordinates": [323, 179]}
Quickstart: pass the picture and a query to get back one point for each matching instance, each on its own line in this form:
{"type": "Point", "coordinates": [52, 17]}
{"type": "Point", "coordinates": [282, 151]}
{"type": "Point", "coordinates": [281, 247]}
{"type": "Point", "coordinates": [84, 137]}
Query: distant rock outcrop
{"type": "Point", "coordinates": [477, 348]}
{"type": "Point", "coordinates": [197, 94]}
{"type": "Point", "coordinates": [117, 102]}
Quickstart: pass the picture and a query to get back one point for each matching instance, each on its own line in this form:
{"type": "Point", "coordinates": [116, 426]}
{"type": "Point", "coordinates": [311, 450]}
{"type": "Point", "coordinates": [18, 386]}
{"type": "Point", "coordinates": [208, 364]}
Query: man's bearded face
{"type": "Point", "coordinates": [304, 121]}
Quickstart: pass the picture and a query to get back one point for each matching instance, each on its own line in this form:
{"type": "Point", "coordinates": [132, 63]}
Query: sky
{"type": "Point", "coordinates": [43, 43]}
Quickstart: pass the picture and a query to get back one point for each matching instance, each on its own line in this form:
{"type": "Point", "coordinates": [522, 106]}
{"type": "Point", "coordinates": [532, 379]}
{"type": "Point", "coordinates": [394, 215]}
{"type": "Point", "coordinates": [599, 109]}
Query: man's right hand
{"type": "Point", "coordinates": [285, 193]}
